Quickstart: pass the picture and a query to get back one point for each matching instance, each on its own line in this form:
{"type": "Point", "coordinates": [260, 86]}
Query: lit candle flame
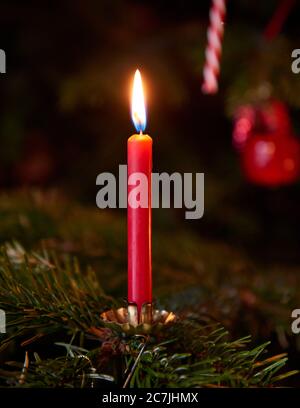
{"type": "Point", "coordinates": [138, 111]}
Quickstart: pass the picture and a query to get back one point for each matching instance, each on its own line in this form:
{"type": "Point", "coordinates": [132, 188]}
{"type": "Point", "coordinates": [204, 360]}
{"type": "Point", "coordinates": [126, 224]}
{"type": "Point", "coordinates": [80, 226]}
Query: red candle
{"type": "Point", "coordinates": [139, 161]}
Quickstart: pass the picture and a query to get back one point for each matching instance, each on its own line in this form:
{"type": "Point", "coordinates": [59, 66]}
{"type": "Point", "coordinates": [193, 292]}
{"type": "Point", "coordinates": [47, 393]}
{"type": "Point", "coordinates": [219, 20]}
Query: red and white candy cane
{"type": "Point", "coordinates": [214, 46]}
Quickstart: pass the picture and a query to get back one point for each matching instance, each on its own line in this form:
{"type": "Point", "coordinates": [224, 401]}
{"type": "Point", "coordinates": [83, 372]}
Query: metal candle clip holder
{"type": "Point", "coordinates": [131, 322]}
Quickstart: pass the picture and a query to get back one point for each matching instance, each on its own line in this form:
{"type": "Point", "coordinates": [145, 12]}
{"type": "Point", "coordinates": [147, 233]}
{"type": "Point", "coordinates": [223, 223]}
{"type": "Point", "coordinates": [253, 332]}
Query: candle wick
{"type": "Point", "coordinates": [141, 132]}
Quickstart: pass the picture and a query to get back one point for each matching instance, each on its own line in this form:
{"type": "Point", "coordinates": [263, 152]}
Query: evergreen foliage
{"type": "Point", "coordinates": [53, 308]}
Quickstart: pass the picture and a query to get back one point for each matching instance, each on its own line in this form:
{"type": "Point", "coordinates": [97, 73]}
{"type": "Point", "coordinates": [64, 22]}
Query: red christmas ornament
{"type": "Point", "coordinates": [271, 159]}
{"type": "Point", "coordinates": [273, 116]}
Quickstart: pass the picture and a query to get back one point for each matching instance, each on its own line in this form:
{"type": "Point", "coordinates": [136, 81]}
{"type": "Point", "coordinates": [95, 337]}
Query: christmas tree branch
{"type": "Point", "coordinates": [42, 296]}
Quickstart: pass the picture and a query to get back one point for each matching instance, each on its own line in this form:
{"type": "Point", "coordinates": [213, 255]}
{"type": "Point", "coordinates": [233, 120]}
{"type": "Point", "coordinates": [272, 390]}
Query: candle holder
{"type": "Point", "coordinates": [128, 320]}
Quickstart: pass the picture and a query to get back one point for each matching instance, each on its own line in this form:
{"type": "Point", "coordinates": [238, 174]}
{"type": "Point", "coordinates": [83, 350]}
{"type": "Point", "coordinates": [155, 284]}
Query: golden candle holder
{"type": "Point", "coordinates": [128, 320]}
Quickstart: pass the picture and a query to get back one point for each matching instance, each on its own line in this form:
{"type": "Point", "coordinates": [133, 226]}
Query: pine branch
{"type": "Point", "coordinates": [247, 295]}
{"type": "Point", "coordinates": [210, 360]}
{"type": "Point", "coordinates": [46, 293]}
{"type": "Point", "coordinates": [221, 363]}
{"type": "Point", "coordinates": [41, 296]}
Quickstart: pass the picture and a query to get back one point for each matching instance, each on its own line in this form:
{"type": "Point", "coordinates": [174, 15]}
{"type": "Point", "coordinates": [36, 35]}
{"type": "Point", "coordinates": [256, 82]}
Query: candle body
{"type": "Point", "coordinates": [139, 160]}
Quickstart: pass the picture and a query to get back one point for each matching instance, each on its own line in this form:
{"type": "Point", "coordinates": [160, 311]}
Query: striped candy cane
{"type": "Point", "coordinates": [214, 47]}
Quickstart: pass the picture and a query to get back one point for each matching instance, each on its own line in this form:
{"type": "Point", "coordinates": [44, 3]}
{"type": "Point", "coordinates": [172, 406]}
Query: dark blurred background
{"type": "Point", "coordinates": [65, 105]}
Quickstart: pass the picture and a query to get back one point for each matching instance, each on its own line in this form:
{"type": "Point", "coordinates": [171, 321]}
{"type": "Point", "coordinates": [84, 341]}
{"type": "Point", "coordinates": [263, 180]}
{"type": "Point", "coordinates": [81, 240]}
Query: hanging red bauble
{"type": "Point", "coordinates": [267, 117]}
{"type": "Point", "coordinates": [271, 159]}
{"type": "Point", "coordinates": [273, 116]}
